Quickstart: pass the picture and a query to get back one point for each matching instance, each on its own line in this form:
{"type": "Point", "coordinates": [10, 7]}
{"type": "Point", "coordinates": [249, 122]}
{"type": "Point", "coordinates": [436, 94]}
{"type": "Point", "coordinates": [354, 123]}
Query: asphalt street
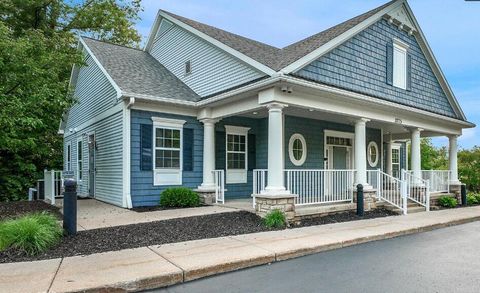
{"type": "Point", "coordinates": [444, 260]}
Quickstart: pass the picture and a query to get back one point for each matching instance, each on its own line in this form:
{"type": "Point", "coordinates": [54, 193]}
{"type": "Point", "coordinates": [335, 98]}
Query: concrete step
{"type": "Point", "coordinates": [323, 209]}
{"type": "Point", "coordinates": [416, 209]}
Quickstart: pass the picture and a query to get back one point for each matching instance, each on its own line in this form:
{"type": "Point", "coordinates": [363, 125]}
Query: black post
{"type": "Point", "coordinates": [360, 208]}
{"type": "Point", "coordinates": [70, 207]}
{"type": "Point", "coordinates": [463, 192]}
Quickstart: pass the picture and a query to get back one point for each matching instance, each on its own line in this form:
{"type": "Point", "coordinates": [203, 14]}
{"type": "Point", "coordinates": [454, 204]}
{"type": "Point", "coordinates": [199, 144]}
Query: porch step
{"type": "Point", "coordinates": [316, 210]}
{"type": "Point", "coordinates": [415, 209]}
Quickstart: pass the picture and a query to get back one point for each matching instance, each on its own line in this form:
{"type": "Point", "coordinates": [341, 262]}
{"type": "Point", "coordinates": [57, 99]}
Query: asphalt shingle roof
{"type": "Point", "coordinates": [273, 57]}
{"type": "Point", "coordinates": [136, 71]}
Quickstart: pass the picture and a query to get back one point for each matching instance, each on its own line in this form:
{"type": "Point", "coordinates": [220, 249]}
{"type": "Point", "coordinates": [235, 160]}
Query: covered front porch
{"type": "Point", "coordinates": [312, 147]}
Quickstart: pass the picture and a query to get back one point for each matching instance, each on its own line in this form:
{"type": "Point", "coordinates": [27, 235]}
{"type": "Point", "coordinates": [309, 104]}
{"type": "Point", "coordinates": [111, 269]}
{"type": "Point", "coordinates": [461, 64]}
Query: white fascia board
{"type": "Point", "coordinates": [110, 79]}
{"type": "Point", "coordinates": [335, 42]}
{"type": "Point", "coordinates": [158, 99]}
{"type": "Point", "coordinates": [259, 66]}
{"type": "Point", "coordinates": [153, 32]}
{"type": "Point", "coordinates": [435, 66]}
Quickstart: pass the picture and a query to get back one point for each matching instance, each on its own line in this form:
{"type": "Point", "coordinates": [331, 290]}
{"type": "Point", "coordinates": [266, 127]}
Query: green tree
{"type": "Point", "coordinates": [433, 158]}
{"type": "Point", "coordinates": [469, 168]}
{"type": "Point", "coordinates": [37, 51]}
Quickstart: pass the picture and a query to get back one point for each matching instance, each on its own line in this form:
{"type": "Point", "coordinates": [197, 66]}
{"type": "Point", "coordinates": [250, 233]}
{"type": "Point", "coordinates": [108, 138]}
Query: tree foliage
{"type": "Point", "coordinates": [37, 51]}
{"type": "Point", "coordinates": [469, 168]}
{"type": "Point", "coordinates": [433, 158]}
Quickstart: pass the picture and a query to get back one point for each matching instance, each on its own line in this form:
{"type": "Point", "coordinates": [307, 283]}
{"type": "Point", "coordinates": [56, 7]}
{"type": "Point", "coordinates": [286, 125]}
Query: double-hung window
{"type": "Point", "coordinates": [400, 64]}
{"type": "Point", "coordinates": [79, 159]}
{"type": "Point", "coordinates": [237, 150]}
{"type": "Point", "coordinates": [396, 161]}
{"type": "Point", "coordinates": [167, 142]}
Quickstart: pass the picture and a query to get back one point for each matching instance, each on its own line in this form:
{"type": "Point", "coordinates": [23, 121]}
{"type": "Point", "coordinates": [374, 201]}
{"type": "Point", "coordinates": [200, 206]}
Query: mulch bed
{"type": "Point", "coordinates": [16, 209]}
{"type": "Point", "coordinates": [168, 231]}
{"type": "Point", "coordinates": [346, 217]}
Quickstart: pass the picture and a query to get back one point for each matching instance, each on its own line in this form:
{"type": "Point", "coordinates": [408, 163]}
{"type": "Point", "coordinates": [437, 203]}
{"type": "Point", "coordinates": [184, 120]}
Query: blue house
{"type": "Point", "coordinates": [232, 117]}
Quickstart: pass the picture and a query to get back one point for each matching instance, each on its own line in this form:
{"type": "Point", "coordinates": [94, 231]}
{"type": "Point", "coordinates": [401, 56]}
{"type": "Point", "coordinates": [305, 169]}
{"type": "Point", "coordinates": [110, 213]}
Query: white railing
{"type": "Point", "coordinates": [320, 186]}
{"type": "Point", "coordinates": [439, 180]}
{"type": "Point", "coordinates": [259, 180]}
{"type": "Point", "coordinates": [219, 180]}
{"type": "Point", "coordinates": [53, 187]}
{"type": "Point", "coordinates": [416, 189]}
{"type": "Point", "coordinates": [389, 189]}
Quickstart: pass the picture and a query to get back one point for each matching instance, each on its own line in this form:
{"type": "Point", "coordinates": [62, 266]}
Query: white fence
{"type": "Point", "coordinates": [219, 180]}
{"type": "Point", "coordinates": [439, 180]}
{"type": "Point", "coordinates": [389, 189]}
{"type": "Point", "coordinates": [53, 185]}
{"type": "Point", "coordinates": [416, 189]}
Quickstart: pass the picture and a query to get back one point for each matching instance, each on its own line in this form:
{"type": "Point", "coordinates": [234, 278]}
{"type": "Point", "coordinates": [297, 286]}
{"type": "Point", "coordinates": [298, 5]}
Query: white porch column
{"type": "Point", "coordinates": [276, 156]}
{"type": "Point", "coordinates": [208, 183]}
{"type": "Point", "coordinates": [416, 163]}
{"type": "Point", "coordinates": [452, 159]}
{"type": "Point", "coordinates": [389, 156]}
{"type": "Point", "coordinates": [361, 153]}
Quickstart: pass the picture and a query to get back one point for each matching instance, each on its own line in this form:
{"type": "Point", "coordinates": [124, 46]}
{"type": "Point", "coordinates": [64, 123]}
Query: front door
{"type": "Point", "coordinates": [339, 158]}
{"type": "Point", "coordinates": [91, 165]}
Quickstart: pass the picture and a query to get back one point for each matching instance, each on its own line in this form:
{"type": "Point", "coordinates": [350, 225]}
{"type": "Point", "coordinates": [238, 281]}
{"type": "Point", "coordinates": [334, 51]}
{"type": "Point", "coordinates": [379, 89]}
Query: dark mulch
{"type": "Point", "coordinates": [346, 217]}
{"type": "Point", "coordinates": [170, 231]}
{"type": "Point", "coordinates": [16, 209]}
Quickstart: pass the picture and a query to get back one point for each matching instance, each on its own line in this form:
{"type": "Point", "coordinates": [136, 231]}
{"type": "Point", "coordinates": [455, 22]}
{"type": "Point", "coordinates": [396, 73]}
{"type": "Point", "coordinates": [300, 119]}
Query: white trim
{"type": "Point", "coordinates": [342, 134]}
{"type": "Point", "coordinates": [399, 79]}
{"type": "Point", "coordinates": [377, 156]}
{"type": "Point", "coordinates": [79, 180]}
{"type": "Point", "coordinates": [167, 122]}
{"type": "Point", "coordinates": [231, 129]}
{"type": "Point", "coordinates": [293, 138]}
{"type": "Point", "coordinates": [126, 168]}
{"type": "Point", "coordinates": [401, 44]}
{"type": "Point", "coordinates": [110, 79]}
{"type": "Point", "coordinates": [236, 175]}
{"type": "Point", "coordinates": [330, 45]}
{"type": "Point", "coordinates": [164, 108]}
{"type": "Point", "coordinates": [328, 148]}
{"type": "Point", "coordinates": [68, 165]}
{"type": "Point", "coordinates": [92, 132]}
{"type": "Point", "coordinates": [250, 61]}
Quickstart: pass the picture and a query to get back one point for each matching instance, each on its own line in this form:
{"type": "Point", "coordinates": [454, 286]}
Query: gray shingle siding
{"type": "Point", "coordinates": [213, 70]}
{"type": "Point", "coordinates": [360, 65]}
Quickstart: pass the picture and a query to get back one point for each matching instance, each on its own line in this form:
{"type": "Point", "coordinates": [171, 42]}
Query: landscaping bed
{"type": "Point", "coordinates": [15, 209]}
{"type": "Point", "coordinates": [169, 231]}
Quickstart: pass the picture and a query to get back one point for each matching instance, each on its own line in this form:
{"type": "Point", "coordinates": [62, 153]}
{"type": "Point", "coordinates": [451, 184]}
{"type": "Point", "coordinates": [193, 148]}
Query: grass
{"type": "Point", "coordinates": [275, 219]}
{"type": "Point", "coordinates": [31, 234]}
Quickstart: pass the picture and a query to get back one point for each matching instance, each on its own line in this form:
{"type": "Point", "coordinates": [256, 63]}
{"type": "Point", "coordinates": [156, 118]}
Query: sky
{"type": "Point", "coordinates": [450, 26]}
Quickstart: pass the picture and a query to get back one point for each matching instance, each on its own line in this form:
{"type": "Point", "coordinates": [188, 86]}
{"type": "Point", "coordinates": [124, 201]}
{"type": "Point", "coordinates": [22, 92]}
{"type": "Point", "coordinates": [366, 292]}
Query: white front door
{"type": "Point", "coordinates": [339, 156]}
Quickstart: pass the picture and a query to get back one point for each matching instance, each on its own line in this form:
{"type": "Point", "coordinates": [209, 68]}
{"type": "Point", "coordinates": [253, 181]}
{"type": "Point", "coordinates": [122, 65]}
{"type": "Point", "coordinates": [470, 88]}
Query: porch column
{"type": "Point", "coordinates": [276, 155]}
{"type": "Point", "coordinates": [389, 156]}
{"type": "Point", "coordinates": [361, 153]}
{"type": "Point", "coordinates": [452, 159]}
{"type": "Point", "coordinates": [208, 183]}
{"type": "Point", "coordinates": [416, 163]}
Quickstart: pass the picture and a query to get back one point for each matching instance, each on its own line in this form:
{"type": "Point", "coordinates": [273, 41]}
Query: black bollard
{"type": "Point", "coordinates": [70, 207]}
{"type": "Point", "coordinates": [463, 193]}
{"type": "Point", "coordinates": [360, 208]}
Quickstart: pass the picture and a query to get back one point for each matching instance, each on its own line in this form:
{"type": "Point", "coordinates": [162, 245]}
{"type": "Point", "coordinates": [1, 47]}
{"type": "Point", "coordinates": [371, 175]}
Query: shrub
{"type": "Point", "coordinates": [447, 202]}
{"type": "Point", "coordinates": [30, 234]}
{"type": "Point", "coordinates": [471, 199]}
{"type": "Point", "coordinates": [179, 197]}
{"type": "Point", "coordinates": [275, 219]}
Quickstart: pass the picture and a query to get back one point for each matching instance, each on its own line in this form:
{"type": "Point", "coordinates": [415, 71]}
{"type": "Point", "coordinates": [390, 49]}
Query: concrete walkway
{"type": "Point", "coordinates": [94, 214]}
{"type": "Point", "coordinates": [158, 266]}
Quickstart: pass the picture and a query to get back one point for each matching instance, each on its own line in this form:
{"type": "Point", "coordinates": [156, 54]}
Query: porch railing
{"type": "Point", "coordinates": [439, 180]}
{"type": "Point", "coordinates": [219, 180]}
{"type": "Point", "coordinates": [416, 189]}
{"type": "Point", "coordinates": [53, 181]}
{"type": "Point", "coordinates": [389, 189]}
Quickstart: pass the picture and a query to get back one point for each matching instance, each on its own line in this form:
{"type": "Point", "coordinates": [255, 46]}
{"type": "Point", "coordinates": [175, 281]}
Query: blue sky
{"type": "Point", "coordinates": [451, 28]}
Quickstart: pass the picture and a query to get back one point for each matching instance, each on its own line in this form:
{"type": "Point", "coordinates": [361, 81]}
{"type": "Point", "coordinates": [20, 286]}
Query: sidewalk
{"type": "Point", "coordinates": [158, 266]}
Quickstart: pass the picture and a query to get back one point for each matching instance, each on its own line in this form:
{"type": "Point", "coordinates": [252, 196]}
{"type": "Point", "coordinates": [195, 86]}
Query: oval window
{"type": "Point", "coordinates": [297, 149]}
{"type": "Point", "coordinates": [372, 154]}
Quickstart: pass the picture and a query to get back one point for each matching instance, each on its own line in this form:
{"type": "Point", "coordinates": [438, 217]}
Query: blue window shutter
{"type": "Point", "coordinates": [220, 151]}
{"type": "Point", "coordinates": [409, 72]}
{"type": "Point", "coordinates": [187, 149]}
{"type": "Point", "coordinates": [389, 63]}
{"type": "Point", "coordinates": [252, 152]}
{"type": "Point", "coordinates": [146, 138]}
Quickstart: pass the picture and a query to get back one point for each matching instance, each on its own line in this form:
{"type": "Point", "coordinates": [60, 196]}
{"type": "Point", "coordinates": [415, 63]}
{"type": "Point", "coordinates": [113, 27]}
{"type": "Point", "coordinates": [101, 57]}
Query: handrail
{"type": "Point", "coordinates": [219, 181]}
{"type": "Point", "coordinates": [417, 189]}
{"type": "Point", "coordinates": [389, 189]}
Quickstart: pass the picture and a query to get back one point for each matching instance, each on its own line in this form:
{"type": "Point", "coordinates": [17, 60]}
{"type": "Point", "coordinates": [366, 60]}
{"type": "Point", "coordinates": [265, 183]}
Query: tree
{"type": "Point", "coordinates": [469, 168]}
{"type": "Point", "coordinates": [37, 51]}
{"type": "Point", "coordinates": [433, 158]}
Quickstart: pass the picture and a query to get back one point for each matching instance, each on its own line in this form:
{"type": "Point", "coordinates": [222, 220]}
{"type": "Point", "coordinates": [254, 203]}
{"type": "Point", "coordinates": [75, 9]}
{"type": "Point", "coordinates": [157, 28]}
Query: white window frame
{"type": "Point", "coordinates": [80, 151]}
{"type": "Point", "coordinates": [236, 175]}
{"type": "Point", "coordinates": [167, 176]}
{"type": "Point", "coordinates": [377, 151]}
{"type": "Point", "coordinates": [292, 140]}
{"type": "Point", "coordinates": [328, 148]}
{"type": "Point", "coordinates": [400, 64]}
{"type": "Point", "coordinates": [398, 148]}
{"type": "Point", "coordinates": [69, 156]}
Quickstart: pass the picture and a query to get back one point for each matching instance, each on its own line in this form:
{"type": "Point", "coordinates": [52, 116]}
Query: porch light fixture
{"type": "Point", "coordinates": [398, 121]}
{"type": "Point", "coordinates": [311, 110]}
{"type": "Point", "coordinates": [255, 113]}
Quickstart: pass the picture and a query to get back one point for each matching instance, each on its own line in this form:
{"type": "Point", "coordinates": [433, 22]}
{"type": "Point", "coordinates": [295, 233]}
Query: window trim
{"type": "Point", "coordinates": [370, 162]}
{"type": "Point", "coordinates": [80, 151]}
{"type": "Point", "coordinates": [236, 175]}
{"type": "Point", "coordinates": [292, 140]}
{"type": "Point", "coordinates": [167, 176]}
{"type": "Point", "coordinates": [396, 147]}
{"type": "Point", "coordinates": [401, 47]}
{"type": "Point", "coordinates": [69, 156]}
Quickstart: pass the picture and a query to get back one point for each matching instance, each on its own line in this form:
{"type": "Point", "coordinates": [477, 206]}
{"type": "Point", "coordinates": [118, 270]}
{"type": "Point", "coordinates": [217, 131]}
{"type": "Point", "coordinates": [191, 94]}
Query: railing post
{"type": "Point", "coordinates": [70, 207]}
{"type": "Point", "coordinates": [360, 207]}
{"type": "Point", "coordinates": [379, 184]}
{"type": "Point", "coordinates": [427, 204]}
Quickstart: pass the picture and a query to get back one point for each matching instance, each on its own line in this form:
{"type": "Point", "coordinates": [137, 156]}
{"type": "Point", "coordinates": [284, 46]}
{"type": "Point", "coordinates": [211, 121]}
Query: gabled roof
{"type": "Point", "coordinates": [137, 72]}
{"type": "Point", "coordinates": [270, 56]}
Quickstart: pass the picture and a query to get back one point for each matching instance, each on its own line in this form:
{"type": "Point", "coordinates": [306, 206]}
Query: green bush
{"type": "Point", "coordinates": [275, 219]}
{"type": "Point", "coordinates": [477, 197]}
{"type": "Point", "coordinates": [30, 234]}
{"type": "Point", "coordinates": [179, 197]}
{"type": "Point", "coordinates": [447, 202]}
{"type": "Point", "coordinates": [472, 199]}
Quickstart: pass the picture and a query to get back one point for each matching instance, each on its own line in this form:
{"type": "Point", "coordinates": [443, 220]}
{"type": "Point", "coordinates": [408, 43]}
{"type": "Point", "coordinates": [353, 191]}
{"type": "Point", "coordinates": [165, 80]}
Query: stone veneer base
{"type": "Point", "coordinates": [267, 203]}
{"type": "Point", "coordinates": [369, 199]}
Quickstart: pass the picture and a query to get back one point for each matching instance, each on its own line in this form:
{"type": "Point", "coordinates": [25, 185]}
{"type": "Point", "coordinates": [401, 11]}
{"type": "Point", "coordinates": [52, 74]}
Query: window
{"type": "Point", "coordinates": [396, 161]}
{"type": "Point", "coordinates": [340, 141]}
{"type": "Point", "coordinates": [69, 157]}
{"type": "Point", "coordinates": [188, 67]}
{"type": "Point", "coordinates": [372, 154]}
{"type": "Point", "coordinates": [167, 142]}
{"type": "Point", "coordinates": [236, 146]}
{"type": "Point", "coordinates": [79, 160]}
{"type": "Point", "coordinates": [297, 149]}
{"type": "Point", "coordinates": [400, 64]}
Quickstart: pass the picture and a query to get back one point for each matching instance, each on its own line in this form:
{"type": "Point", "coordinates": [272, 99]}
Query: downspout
{"type": "Point", "coordinates": [127, 148]}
